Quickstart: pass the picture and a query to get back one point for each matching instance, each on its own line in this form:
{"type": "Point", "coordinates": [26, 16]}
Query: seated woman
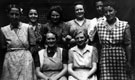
{"type": "Point", "coordinates": [52, 60]}
{"type": "Point", "coordinates": [83, 59]}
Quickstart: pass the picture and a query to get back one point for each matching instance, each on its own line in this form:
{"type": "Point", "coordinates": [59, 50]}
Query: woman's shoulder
{"type": "Point", "coordinates": [70, 21]}
{"type": "Point", "coordinates": [5, 27]}
{"type": "Point", "coordinates": [90, 47]}
{"type": "Point", "coordinates": [24, 24]}
{"type": "Point", "coordinates": [121, 23]}
{"type": "Point", "coordinates": [73, 48]}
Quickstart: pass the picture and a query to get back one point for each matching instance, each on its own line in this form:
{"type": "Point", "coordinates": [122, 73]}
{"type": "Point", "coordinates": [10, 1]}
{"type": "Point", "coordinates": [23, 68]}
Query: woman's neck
{"type": "Point", "coordinates": [33, 23]}
{"type": "Point", "coordinates": [15, 25]}
{"type": "Point", "coordinates": [80, 19]}
{"type": "Point", "coordinates": [111, 22]}
{"type": "Point", "coordinates": [82, 46]}
{"type": "Point", "coordinates": [51, 48]}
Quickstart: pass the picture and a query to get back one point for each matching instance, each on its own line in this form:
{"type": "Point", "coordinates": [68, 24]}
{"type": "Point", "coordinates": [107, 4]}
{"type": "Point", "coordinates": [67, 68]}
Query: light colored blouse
{"type": "Point", "coordinates": [83, 58]}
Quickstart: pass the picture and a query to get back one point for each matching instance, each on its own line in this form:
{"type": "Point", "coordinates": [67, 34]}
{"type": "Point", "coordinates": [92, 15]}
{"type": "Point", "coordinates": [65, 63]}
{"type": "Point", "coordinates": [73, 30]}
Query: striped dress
{"type": "Point", "coordinates": [113, 57]}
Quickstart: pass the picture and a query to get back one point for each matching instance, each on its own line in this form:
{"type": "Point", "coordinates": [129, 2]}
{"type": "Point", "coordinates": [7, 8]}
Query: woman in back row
{"type": "Point", "coordinates": [115, 39]}
{"type": "Point", "coordinates": [55, 24]}
{"type": "Point", "coordinates": [18, 62]}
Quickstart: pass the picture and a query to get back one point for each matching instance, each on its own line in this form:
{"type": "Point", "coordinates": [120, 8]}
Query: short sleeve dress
{"type": "Point", "coordinates": [82, 61]}
{"type": "Point", "coordinates": [113, 57]}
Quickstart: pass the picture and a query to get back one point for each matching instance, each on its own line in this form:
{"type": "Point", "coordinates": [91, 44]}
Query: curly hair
{"type": "Point", "coordinates": [58, 9]}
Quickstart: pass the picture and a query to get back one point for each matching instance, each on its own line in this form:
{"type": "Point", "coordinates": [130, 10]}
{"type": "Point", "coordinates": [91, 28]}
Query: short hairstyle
{"type": "Point", "coordinates": [110, 3]}
{"type": "Point", "coordinates": [78, 3]}
{"type": "Point", "coordinates": [81, 31]}
{"type": "Point", "coordinates": [99, 0]}
{"type": "Point", "coordinates": [31, 9]}
{"type": "Point", "coordinates": [52, 33]}
{"type": "Point", "coordinates": [56, 8]}
{"type": "Point", "coordinates": [10, 6]}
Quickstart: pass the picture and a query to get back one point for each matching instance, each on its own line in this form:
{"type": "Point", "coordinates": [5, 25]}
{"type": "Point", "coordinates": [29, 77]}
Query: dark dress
{"type": "Point", "coordinates": [60, 30]}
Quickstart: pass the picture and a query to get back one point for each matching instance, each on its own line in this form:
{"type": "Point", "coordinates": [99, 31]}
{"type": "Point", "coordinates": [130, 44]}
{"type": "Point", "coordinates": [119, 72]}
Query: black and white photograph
{"type": "Point", "coordinates": [67, 39]}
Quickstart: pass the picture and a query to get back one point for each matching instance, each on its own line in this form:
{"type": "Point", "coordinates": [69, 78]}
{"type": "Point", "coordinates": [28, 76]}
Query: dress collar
{"type": "Point", "coordinates": [115, 24]}
{"type": "Point", "coordinates": [86, 49]}
{"type": "Point", "coordinates": [84, 21]}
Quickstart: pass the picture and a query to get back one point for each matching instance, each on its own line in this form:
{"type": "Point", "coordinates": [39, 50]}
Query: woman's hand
{"type": "Point", "coordinates": [52, 78]}
{"type": "Point", "coordinates": [47, 78]}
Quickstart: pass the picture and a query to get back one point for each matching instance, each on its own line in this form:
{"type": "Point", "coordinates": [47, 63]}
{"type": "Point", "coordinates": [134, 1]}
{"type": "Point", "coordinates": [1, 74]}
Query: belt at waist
{"type": "Point", "coordinates": [16, 49]}
{"type": "Point", "coordinates": [50, 70]}
{"type": "Point", "coordinates": [81, 68]}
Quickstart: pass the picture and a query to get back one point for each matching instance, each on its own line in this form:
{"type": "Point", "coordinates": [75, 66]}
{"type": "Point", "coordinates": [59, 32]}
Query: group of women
{"type": "Point", "coordinates": [71, 50]}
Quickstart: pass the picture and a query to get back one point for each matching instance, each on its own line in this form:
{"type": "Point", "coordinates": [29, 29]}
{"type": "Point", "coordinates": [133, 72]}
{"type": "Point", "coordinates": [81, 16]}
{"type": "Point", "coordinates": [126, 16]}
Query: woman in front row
{"type": "Point", "coordinates": [83, 59]}
{"type": "Point", "coordinates": [52, 60]}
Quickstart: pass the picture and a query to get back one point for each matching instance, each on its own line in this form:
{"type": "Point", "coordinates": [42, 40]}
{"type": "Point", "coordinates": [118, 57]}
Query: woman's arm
{"type": "Point", "coordinates": [127, 44]}
{"type": "Point", "coordinates": [71, 71]}
{"type": "Point", "coordinates": [93, 70]}
{"type": "Point", "coordinates": [94, 62]}
{"type": "Point", "coordinates": [40, 74]}
{"type": "Point", "coordinates": [63, 72]}
{"type": "Point", "coordinates": [70, 65]}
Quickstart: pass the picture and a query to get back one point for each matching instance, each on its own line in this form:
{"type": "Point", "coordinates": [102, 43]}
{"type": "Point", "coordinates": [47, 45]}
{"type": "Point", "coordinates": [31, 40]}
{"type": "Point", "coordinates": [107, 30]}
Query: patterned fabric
{"type": "Point", "coordinates": [18, 63]}
{"type": "Point", "coordinates": [112, 57]}
{"type": "Point", "coordinates": [37, 32]}
{"type": "Point", "coordinates": [51, 66]}
{"type": "Point", "coordinates": [83, 59]}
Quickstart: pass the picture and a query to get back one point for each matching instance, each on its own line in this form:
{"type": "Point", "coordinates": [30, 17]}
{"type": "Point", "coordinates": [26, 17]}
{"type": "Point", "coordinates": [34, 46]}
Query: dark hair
{"type": "Point", "coordinates": [79, 3]}
{"type": "Point", "coordinates": [33, 9]}
{"type": "Point", "coordinates": [10, 6]}
{"type": "Point", "coordinates": [110, 3]}
{"type": "Point", "coordinates": [56, 8]}
{"type": "Point", "coordinates": [99, 0]}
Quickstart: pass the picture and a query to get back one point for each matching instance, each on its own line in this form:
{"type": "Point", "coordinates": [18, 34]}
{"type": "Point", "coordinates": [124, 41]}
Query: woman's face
{"type": "Point", "coordinates": [110, 13]}
{"type": "Point", "coordinates": [79, 11]}
{"type": "Point", "coordinates": [14, 15]}
{"type": "Point", "coordinates": [55, 17]}
{"type": "Point", "coordinates": [50, 39]}
{"type": "Point", "coordinates": [33, 15]}
{"type": "Point", "coordinates": [99, 7]}
{"type": "Point", "coordinates": [80, 39]}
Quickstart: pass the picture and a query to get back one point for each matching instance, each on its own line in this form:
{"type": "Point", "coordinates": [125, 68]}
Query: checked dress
{"type": "Point", "coordinates": [113, 57]}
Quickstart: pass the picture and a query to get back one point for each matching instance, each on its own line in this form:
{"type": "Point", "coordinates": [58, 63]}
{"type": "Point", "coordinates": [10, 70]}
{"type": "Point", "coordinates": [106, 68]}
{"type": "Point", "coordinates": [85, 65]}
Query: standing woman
{"type": "Point", "coordinates": [18, 63]}
{"type": "Point", "coordinates": [34, 25]}
{"type": "Point", "coordinates": [35, 29]}
{"type": "Point", "coordinates": [55, 24]}
{"type": "Point", "coordinates": [80, 23]}
{"type": "Point", "coordinates": [83, 59]}
{"type": "Point", "coordinates": [115, 39]}
{"type": "Point", "coordinates": [52, 61]}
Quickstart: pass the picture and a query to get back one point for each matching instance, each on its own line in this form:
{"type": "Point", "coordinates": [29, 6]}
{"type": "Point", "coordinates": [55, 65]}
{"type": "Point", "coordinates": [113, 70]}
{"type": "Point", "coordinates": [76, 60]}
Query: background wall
{"type": "Point", "coordinates": [126, 11]}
